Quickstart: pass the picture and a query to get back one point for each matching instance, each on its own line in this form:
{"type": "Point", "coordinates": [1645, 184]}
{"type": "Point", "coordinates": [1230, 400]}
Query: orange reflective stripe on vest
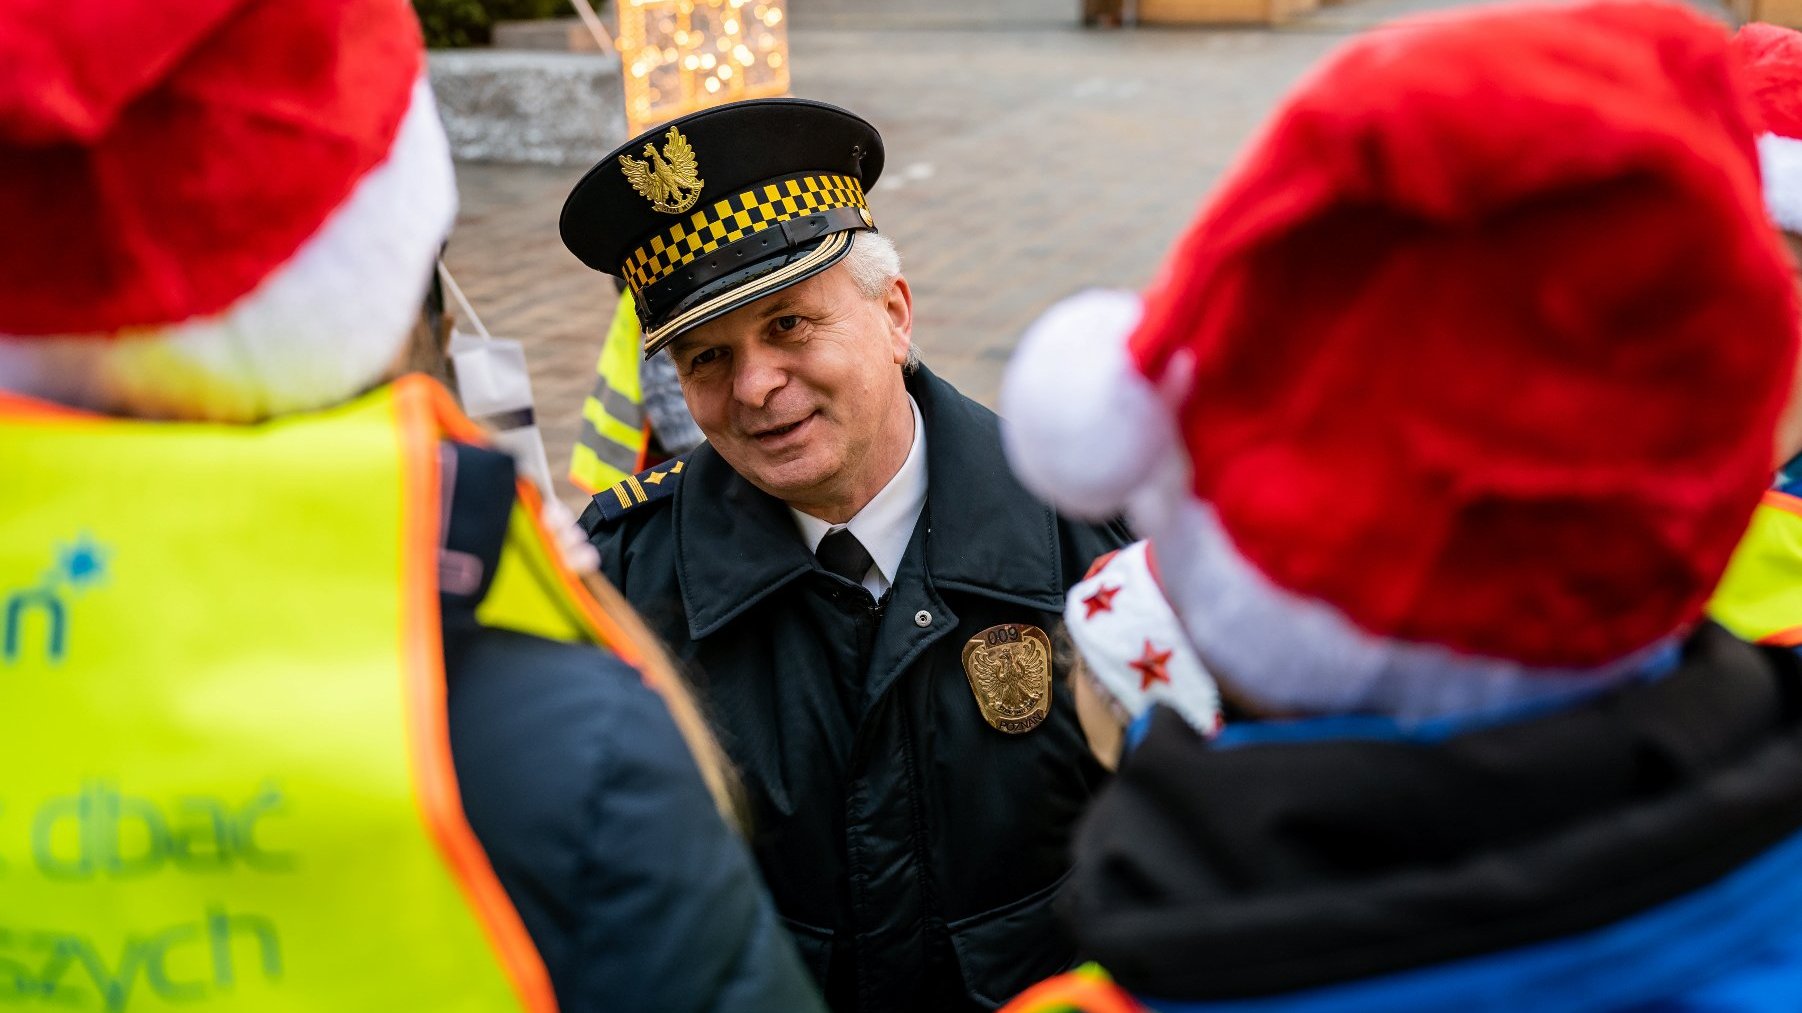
{"type": "Point", "coordinates": [1088, 989]}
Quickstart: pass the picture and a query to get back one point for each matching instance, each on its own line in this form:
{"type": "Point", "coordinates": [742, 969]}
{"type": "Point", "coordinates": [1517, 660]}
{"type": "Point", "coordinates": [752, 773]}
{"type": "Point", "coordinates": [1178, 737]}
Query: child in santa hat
{"type": "Point", "coordinates": [222, 216]}
{"type": "Point", "coordinates": [1444, 418]}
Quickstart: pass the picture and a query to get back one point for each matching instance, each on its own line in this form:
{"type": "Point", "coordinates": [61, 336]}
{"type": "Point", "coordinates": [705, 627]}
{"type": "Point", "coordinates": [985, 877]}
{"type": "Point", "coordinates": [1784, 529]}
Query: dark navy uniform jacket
{"type": "Point", "coordinates": [912, 848]}
{"type": "Point", "coordinates": [591, 810]}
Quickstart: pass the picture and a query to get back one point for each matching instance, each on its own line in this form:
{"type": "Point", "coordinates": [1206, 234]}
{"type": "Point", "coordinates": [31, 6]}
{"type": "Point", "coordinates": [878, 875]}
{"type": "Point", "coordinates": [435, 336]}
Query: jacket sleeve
{"type": "Point", "coordinates": [610, 535]}
{"type": "Point", "coordinates": [671, 889]}
{"type": "Point", "coordinates": [596, 820]}
{"type": "Point", "coordinates": [611, 544]}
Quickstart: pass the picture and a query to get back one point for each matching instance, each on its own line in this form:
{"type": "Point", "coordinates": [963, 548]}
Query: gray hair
{"type": "Point", "coordinates": [874, 264]}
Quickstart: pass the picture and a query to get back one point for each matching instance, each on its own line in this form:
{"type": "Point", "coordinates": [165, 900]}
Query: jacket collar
{"type": "Point", "coordinates": [987, 535]}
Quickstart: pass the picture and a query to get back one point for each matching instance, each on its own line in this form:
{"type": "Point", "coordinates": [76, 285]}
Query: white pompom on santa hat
{"type": "Point", "coordinates": [1460, 390]}
{"type": "Point", "coordinates": [215, 209]}
{"type": "Point", "coordinates": [1770, 63]}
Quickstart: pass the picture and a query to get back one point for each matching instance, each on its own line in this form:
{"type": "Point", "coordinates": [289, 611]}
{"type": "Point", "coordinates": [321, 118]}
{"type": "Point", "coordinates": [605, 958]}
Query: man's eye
{"type": "Point", "coordinates": [704, 356]}
{"type": "Point", "coordinates": [787, 323]}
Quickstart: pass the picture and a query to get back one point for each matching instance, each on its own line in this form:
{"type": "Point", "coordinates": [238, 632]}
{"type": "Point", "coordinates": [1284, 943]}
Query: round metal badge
{"type": "Point", "coordinates": [1009, 668]}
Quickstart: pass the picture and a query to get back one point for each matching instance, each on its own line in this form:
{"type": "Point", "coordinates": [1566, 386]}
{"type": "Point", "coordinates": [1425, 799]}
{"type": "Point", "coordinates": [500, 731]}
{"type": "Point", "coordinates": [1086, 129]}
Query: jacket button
{"type": "Point", "coordinates": [922, 619]}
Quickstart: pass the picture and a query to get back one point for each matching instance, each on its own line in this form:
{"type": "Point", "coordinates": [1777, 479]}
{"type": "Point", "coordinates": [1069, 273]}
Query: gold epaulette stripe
{"type": "Point", "coordinates": [730, 220]}
{"type": "Point", "coordinates": [631, 491]}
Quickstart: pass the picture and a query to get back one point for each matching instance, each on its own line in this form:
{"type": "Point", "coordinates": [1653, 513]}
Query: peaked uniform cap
{"type": "Point", "coordinates": [1476, 354]}
{"type": "Point", "coordinates": [779, 185]}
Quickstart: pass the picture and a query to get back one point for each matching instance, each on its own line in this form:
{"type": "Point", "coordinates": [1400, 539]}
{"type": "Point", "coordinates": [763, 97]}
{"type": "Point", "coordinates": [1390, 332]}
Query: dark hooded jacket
{"type": "Point", "coordinates": [912, 848]}
{"type": "Point", "coordinates": [1641, 850]}
{"type": "Point", "coordinates": [589, 806]}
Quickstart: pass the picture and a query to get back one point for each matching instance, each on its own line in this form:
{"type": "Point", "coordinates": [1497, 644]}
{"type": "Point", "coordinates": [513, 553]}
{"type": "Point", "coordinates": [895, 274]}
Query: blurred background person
{"type": "Point", "coordinates": [298, 706]}
{"type": "Point", "coordinates": [1444, 418]}
{"type": "Point", "coordinates": [635, 416]}
{"type": "Point", "coordinates": [1760, 597]}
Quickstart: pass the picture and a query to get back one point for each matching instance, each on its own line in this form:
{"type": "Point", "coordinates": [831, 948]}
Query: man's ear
{"type": "Point", "coordinates": [898, 304]}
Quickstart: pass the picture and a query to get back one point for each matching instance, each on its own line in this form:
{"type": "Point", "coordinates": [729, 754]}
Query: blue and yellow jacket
{"type": "Point", "coordinates": [1641, 850]}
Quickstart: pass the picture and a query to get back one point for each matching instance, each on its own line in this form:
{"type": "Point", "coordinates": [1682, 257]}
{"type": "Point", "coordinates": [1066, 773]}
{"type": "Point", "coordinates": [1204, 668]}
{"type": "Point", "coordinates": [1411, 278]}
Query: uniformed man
{"type": "Point", "coordinates": [863, 590]}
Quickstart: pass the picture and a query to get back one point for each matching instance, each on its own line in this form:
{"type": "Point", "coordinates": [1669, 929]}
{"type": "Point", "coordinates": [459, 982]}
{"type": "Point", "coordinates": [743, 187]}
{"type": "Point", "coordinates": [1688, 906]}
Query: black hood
{"type": "Point", "coordinates": [1210, 872]}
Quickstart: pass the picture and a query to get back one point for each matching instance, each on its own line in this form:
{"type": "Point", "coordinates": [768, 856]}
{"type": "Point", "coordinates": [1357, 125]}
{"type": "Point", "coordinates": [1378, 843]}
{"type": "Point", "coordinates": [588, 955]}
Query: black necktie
{"type": "Point", "coordinates": [840, 552]}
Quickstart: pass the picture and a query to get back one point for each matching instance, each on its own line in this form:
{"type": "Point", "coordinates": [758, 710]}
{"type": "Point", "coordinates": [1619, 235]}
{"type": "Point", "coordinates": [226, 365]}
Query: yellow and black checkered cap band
{"type": "Point", "coordinates": [823, 255]}
{"type": "Point", "coordinates": [727, 221]}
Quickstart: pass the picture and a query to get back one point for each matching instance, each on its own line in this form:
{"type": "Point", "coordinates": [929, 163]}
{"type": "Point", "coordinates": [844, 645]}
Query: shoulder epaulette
{"type": "Point", "coordinates": [648, 486]}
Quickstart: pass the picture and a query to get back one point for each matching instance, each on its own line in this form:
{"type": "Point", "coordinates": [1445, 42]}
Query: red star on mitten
{"type": "Point", "coordinates": [1101, 601]}
{"type": "Point", "coordinates": [1150, 667]}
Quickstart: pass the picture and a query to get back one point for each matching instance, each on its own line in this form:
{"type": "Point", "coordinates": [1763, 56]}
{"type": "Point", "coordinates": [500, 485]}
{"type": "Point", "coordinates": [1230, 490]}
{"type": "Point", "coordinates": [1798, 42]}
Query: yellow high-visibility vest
{"type": "Point", "coordinates": [1760, 596]}
{"type": "Point", "coordinates": [615, 434]}
{"type": "Point", "coordinates": [225, 770]}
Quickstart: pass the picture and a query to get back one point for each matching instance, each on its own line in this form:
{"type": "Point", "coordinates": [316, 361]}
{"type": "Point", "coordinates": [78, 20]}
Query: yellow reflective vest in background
{"type": "Point", "coordinates": [615, 434]}
{"type": "Point", "coordinates": [1760, 596]}
{"type": "Point", "coordinates": [225, 771]}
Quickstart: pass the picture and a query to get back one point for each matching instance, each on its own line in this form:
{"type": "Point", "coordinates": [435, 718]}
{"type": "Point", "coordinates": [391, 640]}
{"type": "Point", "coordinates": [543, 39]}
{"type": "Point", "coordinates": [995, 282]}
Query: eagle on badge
{"type": "Point", "coordinates": [666, 177]}
{"type": "Point", "coordinates": [1009, 668]}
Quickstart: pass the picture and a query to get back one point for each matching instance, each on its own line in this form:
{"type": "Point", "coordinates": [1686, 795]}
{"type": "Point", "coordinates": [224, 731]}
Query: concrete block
{"type": "Point", "coordinates": [558, 35]}
{"type": "Point", "coordinates": [547, 108]}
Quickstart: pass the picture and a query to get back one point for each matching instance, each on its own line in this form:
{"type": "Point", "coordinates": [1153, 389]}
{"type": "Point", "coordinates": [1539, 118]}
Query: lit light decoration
{"type": "Point", "coordinates": [677, 56]}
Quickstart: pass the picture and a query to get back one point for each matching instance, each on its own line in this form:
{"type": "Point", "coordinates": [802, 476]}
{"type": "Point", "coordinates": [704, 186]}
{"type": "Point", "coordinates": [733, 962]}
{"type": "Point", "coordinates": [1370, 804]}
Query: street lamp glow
{"type": "Point", "coordinates": [684, 55]}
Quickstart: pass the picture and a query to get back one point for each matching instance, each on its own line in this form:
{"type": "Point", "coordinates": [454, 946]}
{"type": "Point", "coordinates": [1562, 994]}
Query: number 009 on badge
{"type": "Point", "coordinates": [1009, 667]}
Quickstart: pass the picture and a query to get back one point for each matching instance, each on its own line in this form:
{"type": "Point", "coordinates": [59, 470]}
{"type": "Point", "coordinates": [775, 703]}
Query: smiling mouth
{"type": "Point", "coordinates": [777, 432]}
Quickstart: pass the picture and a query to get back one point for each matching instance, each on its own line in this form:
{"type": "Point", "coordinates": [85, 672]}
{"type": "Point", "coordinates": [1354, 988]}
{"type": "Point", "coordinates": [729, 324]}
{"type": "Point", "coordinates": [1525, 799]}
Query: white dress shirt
{"type": "Point", "coordinates": [886, 523]}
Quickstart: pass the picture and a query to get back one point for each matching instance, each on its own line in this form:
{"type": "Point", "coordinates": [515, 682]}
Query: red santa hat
{"type": "Point", "coordinates": [1460, 390]}
{"type": "Point", "coordinates": [1132, 643]}
{"type": "Point", "coordinates": [216, 209]}
{"type": "Point", "coordinates": [1770, 60]}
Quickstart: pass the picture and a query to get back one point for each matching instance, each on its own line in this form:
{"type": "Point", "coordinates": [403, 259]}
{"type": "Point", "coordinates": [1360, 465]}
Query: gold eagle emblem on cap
{"type": "Point", "coordinates": [666, 177]}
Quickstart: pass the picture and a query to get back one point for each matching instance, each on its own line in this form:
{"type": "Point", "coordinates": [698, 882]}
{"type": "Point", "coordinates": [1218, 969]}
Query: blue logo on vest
{"type": "Point", "coordinates": [46, 605]}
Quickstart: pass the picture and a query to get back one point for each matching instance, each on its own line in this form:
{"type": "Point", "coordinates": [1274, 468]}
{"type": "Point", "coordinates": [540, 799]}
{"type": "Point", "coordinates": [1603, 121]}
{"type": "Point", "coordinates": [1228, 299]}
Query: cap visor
{"type": "Point", "coordinates": [831, 250]}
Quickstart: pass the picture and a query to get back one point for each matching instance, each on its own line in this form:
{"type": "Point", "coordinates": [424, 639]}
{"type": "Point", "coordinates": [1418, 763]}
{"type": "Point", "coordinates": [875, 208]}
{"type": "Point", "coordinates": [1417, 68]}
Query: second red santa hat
{"type": "Point", "coordinates": [1770, 61]}
{"type": "Point", "coordinates": [1461, 388]}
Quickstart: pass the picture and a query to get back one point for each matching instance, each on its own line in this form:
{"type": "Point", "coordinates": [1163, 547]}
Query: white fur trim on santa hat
{"type": "Point", "coordinates": [1287, 654]}
{"type": "Point", "coordinates": [1082, 426]}
{"type": "Point", "coordinates": [1780, 162]}
{"type": "Point", "coordinates": [322, 327]}
{"type": "Point", "coordinates": [1133, 646]}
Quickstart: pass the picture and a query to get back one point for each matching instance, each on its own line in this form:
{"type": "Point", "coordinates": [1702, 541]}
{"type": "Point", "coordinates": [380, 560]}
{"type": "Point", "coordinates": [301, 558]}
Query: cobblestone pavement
{"type": "Point", "coordinates": [1026, 159]}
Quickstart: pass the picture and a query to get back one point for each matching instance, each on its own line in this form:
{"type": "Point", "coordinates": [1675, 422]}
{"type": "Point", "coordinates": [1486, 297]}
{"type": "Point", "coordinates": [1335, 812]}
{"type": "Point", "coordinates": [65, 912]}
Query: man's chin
{"type": "Point", "coordinates": [788, 476]}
